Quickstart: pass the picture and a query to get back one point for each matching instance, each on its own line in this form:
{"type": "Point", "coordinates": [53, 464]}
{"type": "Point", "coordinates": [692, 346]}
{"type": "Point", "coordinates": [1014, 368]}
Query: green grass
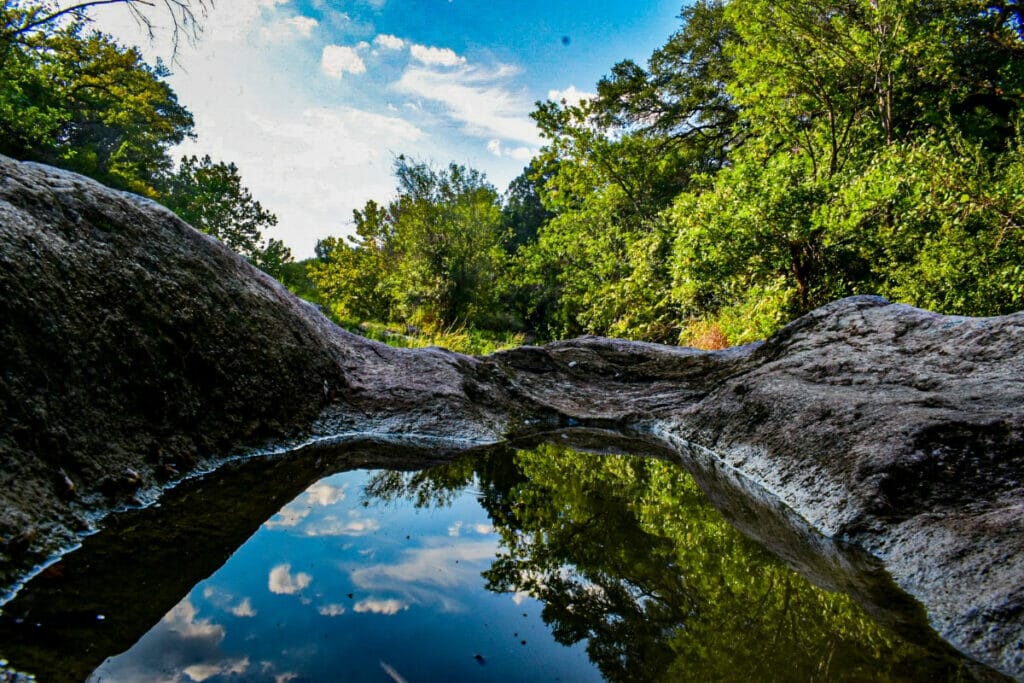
{"type": "Point", "coordinates": [460, 339]}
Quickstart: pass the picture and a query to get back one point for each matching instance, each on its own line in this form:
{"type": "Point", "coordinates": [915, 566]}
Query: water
{"type": "Point", "coordinates": [546, 564]}
{"type": "Point", "coordinates": [341, 586]}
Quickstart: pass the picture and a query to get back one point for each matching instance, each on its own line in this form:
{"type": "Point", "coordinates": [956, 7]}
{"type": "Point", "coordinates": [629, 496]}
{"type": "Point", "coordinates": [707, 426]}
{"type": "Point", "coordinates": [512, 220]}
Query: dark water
{"type": "Point", "coordinates": [545, 564]}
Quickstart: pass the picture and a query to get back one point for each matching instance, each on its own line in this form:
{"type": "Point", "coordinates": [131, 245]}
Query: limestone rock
{"type": "Point", "coordinates": [134, 344]}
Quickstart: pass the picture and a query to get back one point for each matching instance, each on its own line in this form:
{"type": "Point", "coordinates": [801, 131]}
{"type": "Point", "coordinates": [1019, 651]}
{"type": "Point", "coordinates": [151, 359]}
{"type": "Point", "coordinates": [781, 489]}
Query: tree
{"type": "Point", "coordinates": [432, 257]}
{"type": "Point", "coordinates": [210, 197]}
{"type": "Point", "coordinates": [85, 103]}
{"type": "Point", "coordinates": [628, 556]}
{"type": "Point", "coordinates": [448, 243]}
{"type": "Point", "coordinates": [353, 275]}
{"type": "Point", "coordinates": [20, 22]}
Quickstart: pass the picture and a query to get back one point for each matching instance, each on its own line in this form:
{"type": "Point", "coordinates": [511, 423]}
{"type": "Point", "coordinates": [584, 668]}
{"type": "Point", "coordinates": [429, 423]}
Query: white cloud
{"type": "Point", "coordinates": [455, 529]}
{"type": "Point", "coordinates": [332, 526]}
{"type": "Point", "coordinates": [442, 566]}
{"type": "Point", "coordinates": [389, 42]}
{"type": "Point", "coordinates": [243, 609]}
{"type": "Point", "coordinates": [436, 56]}
{"type": "Point", "coordinates": [478, 98]}
{"type": "Point", "coordinates": [283, 582]}
{"type": "Point", "coordinates": [496, 148]}
{"type": "Point", "coordinates": [332, 610]}
{"type": "Point", "coordinates": [200, 672]}
{"type": "Point", "coordinates": [570, 95]}
{"type": "Point", "coordinates": [182, 620]}
{"type": "Point", "coordinates": [323, 493]}
{"type": "Point", "coordinates": [375, 606]}
{"type": "Point", "coordinates": [288, 517]}
{"type": "Point", "coordinates": [303, 25]}
{"type": "Point", "coordinates": [336, 60]}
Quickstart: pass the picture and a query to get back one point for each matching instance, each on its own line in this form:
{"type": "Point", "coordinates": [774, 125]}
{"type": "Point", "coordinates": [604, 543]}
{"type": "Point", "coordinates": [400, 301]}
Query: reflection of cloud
{"type": "Point", "coordinates": [182, 619]}
{"type": "Point", "coordinates": [283, 583]}
{"type": "Point", "coordinates": [519, 597]}
{"type": "Point", "coordinates": [332, 526]}
{"type": "Point", "coordinates": [322, 493]}
{"type": "Point", "coordinates": [181, 648]}
{"type": "Point", "coordinates": [480, 528]}
{"type": "Point", "coordinates": [435, 566]}
{"type": "Point", "coordinates": [427, 576]}
{"type": "Point", "coordinates": [375, 606]}
{"type": "Point", "coordinates": [289, 516]}
{"type": "Point", "coordinates": [243, 609]}
{"type": "Point", "coordinates": [200, 672]}
{"type": "Point", "coordinates": [332, 610]}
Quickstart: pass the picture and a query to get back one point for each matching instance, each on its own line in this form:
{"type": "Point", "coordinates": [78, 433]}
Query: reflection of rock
{"type": "Point", "coordinates": [133, 342]}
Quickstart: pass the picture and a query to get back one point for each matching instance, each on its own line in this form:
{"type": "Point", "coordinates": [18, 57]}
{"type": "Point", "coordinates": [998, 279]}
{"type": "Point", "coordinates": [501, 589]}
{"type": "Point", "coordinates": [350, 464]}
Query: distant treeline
{"type": "Point", "coordinates": [770, 157]}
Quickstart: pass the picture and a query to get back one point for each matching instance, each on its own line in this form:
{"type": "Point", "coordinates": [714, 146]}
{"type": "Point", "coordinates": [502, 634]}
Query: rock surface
{"type": "Point", "coordinates": [137, 349]}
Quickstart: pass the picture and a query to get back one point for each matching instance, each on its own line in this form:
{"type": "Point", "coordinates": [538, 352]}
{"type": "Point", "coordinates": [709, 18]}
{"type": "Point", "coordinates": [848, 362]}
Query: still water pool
{"type": "Point", "coordinates": [341, 585]}
{"type": "Point", "coordinates": [533, 565]}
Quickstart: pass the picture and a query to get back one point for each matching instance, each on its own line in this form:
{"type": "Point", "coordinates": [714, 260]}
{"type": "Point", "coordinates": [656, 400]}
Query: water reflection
{"type": "Point", "coordinates": [541, 564]}
{"type": "Point", "coordinates": [342, 585]}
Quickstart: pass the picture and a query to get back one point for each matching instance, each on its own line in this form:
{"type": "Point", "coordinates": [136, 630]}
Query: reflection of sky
{"type": "Point", "coordinates": [329, 589]}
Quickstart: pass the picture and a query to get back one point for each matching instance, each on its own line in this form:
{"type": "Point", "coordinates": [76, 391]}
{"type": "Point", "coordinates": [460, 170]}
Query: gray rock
{"type": "Point", "coordinates": [137, 350]}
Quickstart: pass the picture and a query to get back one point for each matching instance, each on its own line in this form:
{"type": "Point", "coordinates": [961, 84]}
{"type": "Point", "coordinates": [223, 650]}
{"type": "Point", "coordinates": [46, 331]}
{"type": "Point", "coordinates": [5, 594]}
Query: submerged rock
{"type": "Point", "coordinates": [137, 350]}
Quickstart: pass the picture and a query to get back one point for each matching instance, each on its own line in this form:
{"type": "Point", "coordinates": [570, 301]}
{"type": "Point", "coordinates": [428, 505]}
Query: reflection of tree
{"type": "Point", "coordinates": [628, 554]}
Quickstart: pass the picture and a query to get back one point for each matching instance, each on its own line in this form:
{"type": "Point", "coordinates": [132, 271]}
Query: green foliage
{"type": "Point", "coordinates": [941, 221]}
{"type": "Point", "coordinates": [78, 100]}
{"type": "Point", "coordinates": [83, 102]}
{"type": "Point", "coordinates": [432, 257]}
{"type": "Point", "coordinates": [628, 556]}
{"type": "Point", "coordinates": [210, 197]}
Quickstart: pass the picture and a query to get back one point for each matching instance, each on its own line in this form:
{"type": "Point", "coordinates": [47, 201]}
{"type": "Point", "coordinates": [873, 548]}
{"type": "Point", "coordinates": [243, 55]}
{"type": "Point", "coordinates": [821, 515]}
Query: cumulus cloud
{"type": "Point", "coordinates": [336, 60]}
{"type": "Point", "coordinates": [570, 95]}
{"type": "Point", "coordinates": [374, 606]}
{"type": "Point", "coordinates": [389, 42]}
{"type": "Point", "coordinates": [436, 56]}
{"type": "Point", "coordinates": [303, 25]}
{"type": "Point", "coordinates": [282, 581]}
{"type": "Point", "coordinates": [323, 493]}
{"type": "Point", "coordinates": [243, 609]}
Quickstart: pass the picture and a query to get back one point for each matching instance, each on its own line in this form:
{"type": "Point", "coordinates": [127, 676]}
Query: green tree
{"type": "Point", "coordinates": [448, 241]}
{"type": "Point", "coordinates": [83, 102]}
{"type": "Point", "coordinates": [210, 197]}
{"type": "Point", "coordinates": [353, 274]}
{"type": "Point", "coordinates": [628, 556]}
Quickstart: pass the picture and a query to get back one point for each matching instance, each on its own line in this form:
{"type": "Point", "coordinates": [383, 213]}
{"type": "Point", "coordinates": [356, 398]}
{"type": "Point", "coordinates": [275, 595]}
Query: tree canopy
{"type": "Point", "coordinates": [75, 98]}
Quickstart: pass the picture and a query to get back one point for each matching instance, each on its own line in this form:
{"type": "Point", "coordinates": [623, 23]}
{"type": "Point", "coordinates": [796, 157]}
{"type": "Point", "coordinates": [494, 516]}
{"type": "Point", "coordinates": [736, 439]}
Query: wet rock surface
{"type": "Point", "coordinates": [137, 350]}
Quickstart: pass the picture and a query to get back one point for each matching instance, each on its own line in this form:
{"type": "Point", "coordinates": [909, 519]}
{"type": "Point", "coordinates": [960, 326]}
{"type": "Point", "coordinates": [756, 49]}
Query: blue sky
{"type": "Point", "coordinates": [313, 99]}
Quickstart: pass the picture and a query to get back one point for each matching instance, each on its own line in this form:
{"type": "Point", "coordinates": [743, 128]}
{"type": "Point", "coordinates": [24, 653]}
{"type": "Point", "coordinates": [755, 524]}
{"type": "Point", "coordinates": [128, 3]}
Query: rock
{"type": "Point", "coordinates": [136, 348]}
